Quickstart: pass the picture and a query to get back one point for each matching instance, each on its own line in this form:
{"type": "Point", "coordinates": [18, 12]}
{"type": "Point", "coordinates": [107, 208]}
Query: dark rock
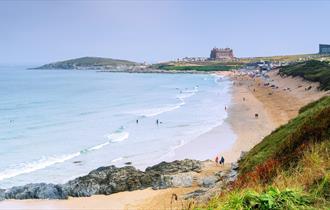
{"type": "Point", "coordinates": [234, 166]}
{"type": "Point", "coordinates": [107, 180]}
{"type": "Point", "coordinates": [242, 156]}
{"type": "Point", "coordinates": [208, 181]}
{"type": "Point", "coordinates": [36, 191]}
{"type": "Point", "coordinates": [2, 194]}
{"type": "Point", "coordinates": [128, 163]}
{"type": "Point", "coordinates": [178, 166]}
{"type": "Point", "coordinates": [194, 194]}
{"type": "Point", "coordinates": [161, 172]}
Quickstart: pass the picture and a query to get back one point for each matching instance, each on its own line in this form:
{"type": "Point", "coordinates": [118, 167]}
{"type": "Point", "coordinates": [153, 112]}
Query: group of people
{"type": "Point", "coordinates": [221, 161]}
{"type": "Point", "coordinates": [157, 122]}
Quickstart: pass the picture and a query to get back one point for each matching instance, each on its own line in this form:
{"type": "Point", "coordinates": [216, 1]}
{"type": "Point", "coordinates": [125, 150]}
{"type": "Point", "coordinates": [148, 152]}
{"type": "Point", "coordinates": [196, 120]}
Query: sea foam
{"type": "Point", "coordinates": [28, 167]}
{"type": "Point", "coordinates": [151, 112]}
{"type": "Point", "coordinates": [44, 162]}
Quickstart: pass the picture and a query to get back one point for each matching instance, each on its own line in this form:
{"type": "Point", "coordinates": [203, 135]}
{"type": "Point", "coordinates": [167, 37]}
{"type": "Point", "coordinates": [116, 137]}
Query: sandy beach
{"type": "Point", "coordinates": [274, 106]}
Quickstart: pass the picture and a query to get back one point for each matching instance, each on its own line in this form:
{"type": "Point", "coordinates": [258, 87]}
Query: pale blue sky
{"type": "Point", "coordinates": [45, 31]}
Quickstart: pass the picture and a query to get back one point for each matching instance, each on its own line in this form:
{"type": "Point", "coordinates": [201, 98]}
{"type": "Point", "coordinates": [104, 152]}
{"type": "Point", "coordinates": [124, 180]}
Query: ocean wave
{"type": "Point", "coordinates": [168, 107]}
{"type": "Point", "coordinates": [24, 168]}
{"type": "Point", "coordinates": [118, 135]}
{"type": "Point", "coordinates": [157, 111]}
{"type": "Point", "coordinates": [44, 162]}
{"type": "Point", "coordinates": [117, 159]}
{"type": "Point", "coordinates": [218, 78]}
{"type": "Point", "coordinates": [97, 147]}
{"type": "Point", "coordinates": [187, 93]}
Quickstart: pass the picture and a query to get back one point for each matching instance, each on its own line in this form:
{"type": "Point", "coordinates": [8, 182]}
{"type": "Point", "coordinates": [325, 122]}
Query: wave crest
{"type": "Point", "coordinates": [28, 167]}
{"type": "Point", "coordinates": [169, 107]}
{"type": "Point", "coordinates": [44, 162]}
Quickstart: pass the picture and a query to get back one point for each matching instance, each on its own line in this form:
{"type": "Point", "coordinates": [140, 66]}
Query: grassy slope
{"type": "Point", "coordinates": [289, 169]}
{"type": "Point", "coordinates": [87, 62]}
{"type": "Point", "coordinates": [313, 70]}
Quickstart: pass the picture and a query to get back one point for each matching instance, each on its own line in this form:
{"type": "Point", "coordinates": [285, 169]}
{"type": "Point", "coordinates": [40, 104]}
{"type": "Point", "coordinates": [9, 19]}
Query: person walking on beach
{"type": "Point", "coordinates": [157, 121]}
{"type": "Point", "coordinates": [222, 160]}
{"type": "Point", "coordinates": [216, 159]}
{"type": "Point", "coordinates": [137, 121]}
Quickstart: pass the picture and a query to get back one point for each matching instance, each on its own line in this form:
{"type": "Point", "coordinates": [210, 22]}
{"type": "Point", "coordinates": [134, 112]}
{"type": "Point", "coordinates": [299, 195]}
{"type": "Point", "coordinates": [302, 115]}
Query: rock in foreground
{"type": "Point", "coordinates": [110, 179]}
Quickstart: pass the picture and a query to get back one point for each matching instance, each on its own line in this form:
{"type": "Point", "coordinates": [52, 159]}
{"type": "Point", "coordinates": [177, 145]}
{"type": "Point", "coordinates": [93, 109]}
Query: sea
{"type": "Point", "coordinates": [56, 125]}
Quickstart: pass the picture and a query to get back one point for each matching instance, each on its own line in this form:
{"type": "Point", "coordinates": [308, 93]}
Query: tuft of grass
{"type": "Point", "coordinates": [272, 198]}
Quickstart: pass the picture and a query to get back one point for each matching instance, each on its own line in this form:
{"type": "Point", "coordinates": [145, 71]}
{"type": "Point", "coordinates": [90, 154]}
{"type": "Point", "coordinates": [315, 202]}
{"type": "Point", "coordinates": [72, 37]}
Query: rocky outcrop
{"type": "Point", "coordinates": [110, 179]}
{"type": "Point", "coordinates": [173, 174]}
{"type": "Point", "coordinates": [212, 185]}
{"type": "Point", "coordinates": [177, 166]}
{"type": "Point", "coordinates": [35, 191]}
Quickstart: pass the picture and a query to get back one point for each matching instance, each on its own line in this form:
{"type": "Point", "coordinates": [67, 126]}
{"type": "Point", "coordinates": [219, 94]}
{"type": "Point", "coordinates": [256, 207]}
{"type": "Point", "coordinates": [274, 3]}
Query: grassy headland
{"type": "Point", "coordinates": [315, 71]}
{"type": "Point", "coordinates": [88, 63]}
{"type": "Point", "coordinates": [289, 169]}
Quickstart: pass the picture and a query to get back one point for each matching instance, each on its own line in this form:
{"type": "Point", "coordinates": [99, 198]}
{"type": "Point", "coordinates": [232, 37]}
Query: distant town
{"type": "Point", "coordinates": [219, 59]}
{"type": "Point", "coordinates": [226, 56]}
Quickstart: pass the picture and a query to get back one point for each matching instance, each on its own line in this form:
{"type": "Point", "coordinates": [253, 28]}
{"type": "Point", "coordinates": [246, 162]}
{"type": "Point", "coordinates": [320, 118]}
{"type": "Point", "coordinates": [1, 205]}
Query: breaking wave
{"type": "Point", "coordinates": [169, 107]}
{"type": "Point", "coordinates": [46, 161]}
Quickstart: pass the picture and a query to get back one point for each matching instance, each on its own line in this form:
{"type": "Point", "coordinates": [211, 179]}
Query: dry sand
{"type": "Point", "coordinates": [274, 107]}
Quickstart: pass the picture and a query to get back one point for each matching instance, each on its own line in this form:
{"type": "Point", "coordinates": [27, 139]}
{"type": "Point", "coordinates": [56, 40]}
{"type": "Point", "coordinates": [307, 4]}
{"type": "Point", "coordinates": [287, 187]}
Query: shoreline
{"type": "Point", "coordinates": [274, 107]}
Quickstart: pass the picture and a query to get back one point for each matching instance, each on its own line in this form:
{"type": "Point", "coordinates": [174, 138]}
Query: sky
{"type": "Point", "coordinates": [42, 31]}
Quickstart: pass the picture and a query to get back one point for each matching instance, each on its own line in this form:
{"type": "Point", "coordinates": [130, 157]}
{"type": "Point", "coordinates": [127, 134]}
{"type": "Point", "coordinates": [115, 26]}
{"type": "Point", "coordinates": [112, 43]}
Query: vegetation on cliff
{"type": "Point", "coordinates": [196, 67]}
{"type": "Point", "coordinates": [289, 169]}
{"type": "Point", "coordinates": [88, 63]}
{"type": "Point", "coordinates": [313, 70]}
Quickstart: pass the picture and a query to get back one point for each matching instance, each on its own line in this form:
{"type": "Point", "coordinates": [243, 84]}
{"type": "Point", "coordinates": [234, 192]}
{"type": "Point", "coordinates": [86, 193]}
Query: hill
{"type": "Point", "coordinates": [313, 70]}
{"type": "Point", "coordinates": [288, 169]}
{"type": "Point", "coordinates": [89, 63]}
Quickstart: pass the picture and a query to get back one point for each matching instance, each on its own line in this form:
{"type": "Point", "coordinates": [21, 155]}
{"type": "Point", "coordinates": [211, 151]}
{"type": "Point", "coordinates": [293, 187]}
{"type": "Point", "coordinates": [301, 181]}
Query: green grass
{"type": "Point", "coordinates": [271, 198]}
{"type": "Point", "coordinates": [197, 68]}
{"type": "Point", "coordinates": [315, 71]}
{"type": "Point", "coordinates": [288, 169]}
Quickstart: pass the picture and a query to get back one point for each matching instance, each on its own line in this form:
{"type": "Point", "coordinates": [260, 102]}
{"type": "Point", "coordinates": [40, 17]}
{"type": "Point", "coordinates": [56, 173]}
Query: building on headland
{"type": "Point", "coordinates": [324, 49]}
{"type": "Point", "coordinates": [221, 54]}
